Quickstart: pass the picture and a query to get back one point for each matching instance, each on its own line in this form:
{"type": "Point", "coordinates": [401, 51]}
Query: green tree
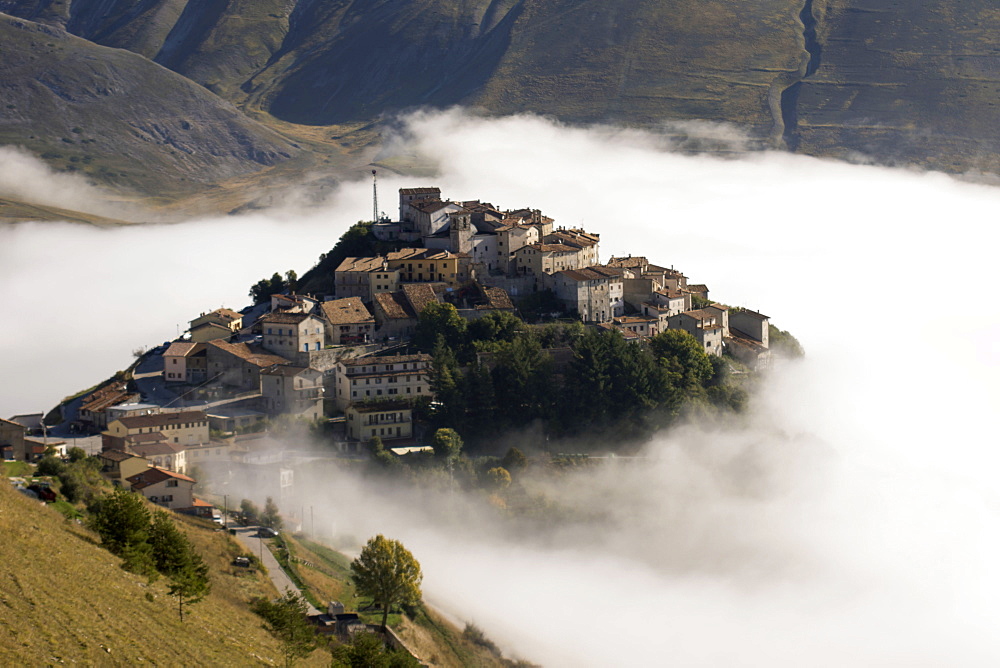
{"type": "Point", "coordinates": [387, 572]}
{"type": "Point", "coordinates": [249, 511]}
{"type": "Point", "coordinates": [496, 326]}
{"type": "Point", "coordinates": [175, 557]}
{"type": "Point", "coordinates": [168, 543]}
{"type": "Point", "coordinates": [49, 465]}
{"type": "Point", "coordinates": [499, 478]}
{"type": "Point", "coordinates": [271, 517]}
{"type": "Point", "coordinates": [76, 454]}
{"type": "Point", "coordinates": [783, 343]}
{"type": "Point", "coordinates": [81, 481]}
{"type": "Point", "coordinates": [440, 319]}
{"type": "Point", "coordinates": [189, 582]}
{"type": "Point", "coordinates": [682, 357]}
{"type": "Point", "coordinates": [262, 290]}
{"type": "Point", "coordinates": [285, 619]}
{"type": "Point", "coordinates": [366, 650]}
{"type": "Point", "coordinates": [123, 523]}
{"type": "Point", "coordinates": [380, 455]}
{"type": "Point", "coordinates": [447, 443]}
{"type": "Point", "coordinates": [514, 460]}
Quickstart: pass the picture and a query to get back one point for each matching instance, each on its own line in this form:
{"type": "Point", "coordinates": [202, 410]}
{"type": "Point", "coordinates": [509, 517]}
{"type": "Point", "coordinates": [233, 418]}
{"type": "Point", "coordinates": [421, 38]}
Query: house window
{"type": "Point", "coordinates": [171, 483]}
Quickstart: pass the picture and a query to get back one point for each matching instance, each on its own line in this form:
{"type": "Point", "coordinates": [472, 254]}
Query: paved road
{"type": "Point", "coordinates": [278, 576]}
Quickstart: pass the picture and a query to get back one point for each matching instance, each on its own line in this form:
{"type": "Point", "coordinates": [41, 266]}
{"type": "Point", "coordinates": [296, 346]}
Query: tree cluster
{"type": "Point", "coordinates": [262, 290]}
{"type": "Point", "coordinates": [366, 650]}
{"type": "Point", "coordinates": [80, 478]}
{"type": "Point", "coordinates": [495, 374]}
{"type": "Point", "coordinates": [150, 544]}
{"type": "Point", "coordinates": [285, 619]}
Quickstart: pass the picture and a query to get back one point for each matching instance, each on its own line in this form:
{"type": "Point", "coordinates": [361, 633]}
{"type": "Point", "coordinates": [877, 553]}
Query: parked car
{"type": "Point", "coordinates": [267, 532]}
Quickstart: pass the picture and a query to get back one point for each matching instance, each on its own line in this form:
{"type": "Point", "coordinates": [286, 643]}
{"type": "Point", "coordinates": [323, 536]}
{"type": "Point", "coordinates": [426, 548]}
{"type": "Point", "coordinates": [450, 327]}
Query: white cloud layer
{"type": "Point", "coordinates": [852, 520]}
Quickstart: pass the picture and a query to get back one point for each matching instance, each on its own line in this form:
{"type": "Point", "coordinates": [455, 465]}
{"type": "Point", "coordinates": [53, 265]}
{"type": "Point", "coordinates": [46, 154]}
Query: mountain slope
{"type": "Point", "coordinates": [907, 82]}
{"type": "Point", "coordinates": [119, 118]}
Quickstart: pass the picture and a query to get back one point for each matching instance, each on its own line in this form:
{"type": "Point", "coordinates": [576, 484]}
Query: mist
{"type": "Point", "coordinates": [849, 519]}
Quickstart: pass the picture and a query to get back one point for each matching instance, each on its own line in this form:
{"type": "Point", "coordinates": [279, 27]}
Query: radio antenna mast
{"type": "Point", "coordinates": [374, 197]}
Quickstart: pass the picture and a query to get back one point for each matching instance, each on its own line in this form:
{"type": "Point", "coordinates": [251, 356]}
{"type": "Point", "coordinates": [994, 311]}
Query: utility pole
{"type": "Point", "coordinates": [374, 197]}
{"type": "Point", "coordinates": [225, 511]}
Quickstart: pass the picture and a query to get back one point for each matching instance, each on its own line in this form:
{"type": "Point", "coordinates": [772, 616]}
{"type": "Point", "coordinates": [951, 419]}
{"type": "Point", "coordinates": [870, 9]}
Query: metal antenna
{"type": "Point", "coordinates": [374, 197]}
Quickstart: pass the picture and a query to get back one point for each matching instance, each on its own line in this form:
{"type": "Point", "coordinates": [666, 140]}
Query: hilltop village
{"type": "Point", "coordinates": [207, 400]}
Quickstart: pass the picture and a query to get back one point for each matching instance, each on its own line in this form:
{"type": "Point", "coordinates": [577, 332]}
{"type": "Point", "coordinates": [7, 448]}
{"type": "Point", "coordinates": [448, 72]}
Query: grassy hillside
{"type": "Point", "coordinates": [64, 599]}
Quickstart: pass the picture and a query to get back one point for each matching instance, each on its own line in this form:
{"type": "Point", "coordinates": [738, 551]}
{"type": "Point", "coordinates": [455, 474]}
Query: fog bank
{"type": "Point", "coordinates": [851, 520]}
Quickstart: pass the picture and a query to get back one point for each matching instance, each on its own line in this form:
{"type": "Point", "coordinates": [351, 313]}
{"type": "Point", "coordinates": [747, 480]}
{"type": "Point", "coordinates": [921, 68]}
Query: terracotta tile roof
{"type": "Point", "coordinates": [387, 359]}
{"type": "Point", "coordinates": [577, 238]}
{"type": "Point", "coordinates": [350, 310]}
{"type": "Point", "coordinates": [394, 305]}
{"type": "Point", "coordinates": [610, 272]}
{"type": "Point", "coordinates": [148, 450]}
{"type": "Point", "coordinates": [162, 419]}
{"type": "Point", "coordinates": [362, 264]}
{"type": "Point", "coordinates": [716, 305]}
{"type": "Point", "coordinates": [419, 295]}
{"type": "Point", "coordinates": [754, 314]}
{"type": "Point", "coordinates": [429, 205]}
{"type": "Point", "coordinates": [587, 274]}
{"type": "Point", "coordinates": [671, 294]}
{"type": "Point", "coordinates": [284, 318]}
{"type": "Point", "coordinates": [742, 339]}
{"type": "Point", "coordinates": [249, 353]}
{"type": "Point", "coordinates": [420, 191]}
{"type": "Point", "coordinates": [212, 325]}
{"type": "Point", "coordinates": [549, 248]}
{"type": "Point", "coordinates": [179, 349]}
{"type": "Point", "coordinates": [226, 313]}
{"type": "Point", "coordinates": [697, 287]}
{"type": "Point", "coordinates": [154, 475]}
{"type": "Point", "coordinates": [106, 397]}
{"type": "Point", "coordinates": [116, 455]}
{"type": "Point", "coordinates": [497, 298]}
{"type": "Point", "coordinates": [637, 262]}
{"type": "Point", "coordinates": [408, 254]}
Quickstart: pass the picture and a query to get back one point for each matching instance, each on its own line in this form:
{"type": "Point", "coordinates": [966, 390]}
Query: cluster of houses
{"type": "Point", "coordinates": [305, 357]}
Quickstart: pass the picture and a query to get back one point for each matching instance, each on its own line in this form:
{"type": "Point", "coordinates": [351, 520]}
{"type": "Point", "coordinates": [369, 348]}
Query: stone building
{"type": "Point", "coordinates": [285, 334]}
{"type": "Point", "coordinates": [389, 377]}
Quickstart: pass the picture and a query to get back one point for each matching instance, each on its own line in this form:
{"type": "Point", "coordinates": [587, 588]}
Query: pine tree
{"type": "Point", "coordinates": [189, 582]}
{"type": "Point", "coordinates": [169, 545]}
{"type": "Point", "coordinates": [123, 522]}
